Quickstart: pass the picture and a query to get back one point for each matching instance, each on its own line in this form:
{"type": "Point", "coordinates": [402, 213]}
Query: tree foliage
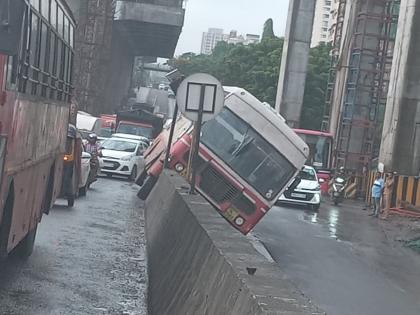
{"type": "Point", "coordinates": [256, 69]}
{"type": "Point", "coordinates": [315, 89]}
{"type": "Point", "coordinates": [268, 32]}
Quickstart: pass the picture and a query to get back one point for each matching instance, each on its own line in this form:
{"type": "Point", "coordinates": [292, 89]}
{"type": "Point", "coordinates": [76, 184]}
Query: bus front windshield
{"type": "Point", "coordinates": [247, 153]}
{"type": "Point", "coordinates": [319, 149]}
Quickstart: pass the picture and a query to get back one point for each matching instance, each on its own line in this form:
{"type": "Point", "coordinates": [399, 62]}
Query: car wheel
{"type": "Point", "coordinates": [133, 174]}
{"type": "Point", "coordinates": [82, 191]}
{"type": "Point", "coordinates": [315, 208]}
{"type": "Point", "coordinates": [70, 201]}
{"type": "Point", "coordinates": [147, 187]}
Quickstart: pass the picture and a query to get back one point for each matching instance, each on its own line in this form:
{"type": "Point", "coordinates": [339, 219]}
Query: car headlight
{"type": "Point", "coordinates": [179, 167]}
{"type": "Point", "coordinates": [126, 158]}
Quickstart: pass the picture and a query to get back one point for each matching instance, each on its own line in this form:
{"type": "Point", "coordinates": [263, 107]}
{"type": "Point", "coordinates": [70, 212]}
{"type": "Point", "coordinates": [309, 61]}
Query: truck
{"type": "Point", "coordinates": [140, 121]}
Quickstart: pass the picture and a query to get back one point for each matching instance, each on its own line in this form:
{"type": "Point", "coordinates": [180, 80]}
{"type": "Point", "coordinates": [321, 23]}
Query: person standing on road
{"type": "Point", "coordinates": [377, 188]}
{"type": "Point", "coordinates": [388, 189]}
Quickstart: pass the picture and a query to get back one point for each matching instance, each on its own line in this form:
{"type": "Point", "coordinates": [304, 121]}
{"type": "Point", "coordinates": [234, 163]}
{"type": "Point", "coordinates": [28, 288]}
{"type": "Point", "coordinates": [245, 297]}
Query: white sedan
{"type": "Point", "coordinates": [123, 157]}
{"type": "Point", "coordinates": [308, 192]}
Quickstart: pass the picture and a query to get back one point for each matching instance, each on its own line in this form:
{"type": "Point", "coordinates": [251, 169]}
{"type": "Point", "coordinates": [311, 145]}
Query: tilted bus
{"type": "Point", "coordinates": [36, 60]}
{"type": "Point", "coordinates": [248, 156]}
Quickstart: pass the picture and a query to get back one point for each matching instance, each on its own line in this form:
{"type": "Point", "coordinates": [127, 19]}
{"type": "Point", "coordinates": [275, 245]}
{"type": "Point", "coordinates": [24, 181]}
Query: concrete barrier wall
{"type": "Point", "coordinates": [198, 262]}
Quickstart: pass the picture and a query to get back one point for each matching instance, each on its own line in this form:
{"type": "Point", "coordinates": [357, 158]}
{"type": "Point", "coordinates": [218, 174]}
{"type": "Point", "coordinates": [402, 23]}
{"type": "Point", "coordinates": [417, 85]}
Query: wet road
{"type": "Point", "coordinates": [87, 260]}
{"type": "Point", "coordinates": [343, 260]}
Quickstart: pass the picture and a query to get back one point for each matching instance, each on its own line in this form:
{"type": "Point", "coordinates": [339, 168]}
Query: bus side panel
{"type": "Point", "coordinates": [36, 142]}
{"type": "Point", "coordinates": [5, 121]}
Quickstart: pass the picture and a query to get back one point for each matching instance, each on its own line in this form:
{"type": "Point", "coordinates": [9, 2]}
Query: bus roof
{"type": "Point", "coordinates": [314, 133]}
{"type": "Point", "coordinates": [267, 122]}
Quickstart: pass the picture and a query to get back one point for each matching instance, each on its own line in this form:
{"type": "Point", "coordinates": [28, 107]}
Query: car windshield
{"type": "Point", "coordinates": [307, 174]}
{"type": "Point", "coordinates": [247, 153]}
{"type": "Point", "coordinates": [135, 130]}
{"type": "Point", "coordinates": [119, 145]}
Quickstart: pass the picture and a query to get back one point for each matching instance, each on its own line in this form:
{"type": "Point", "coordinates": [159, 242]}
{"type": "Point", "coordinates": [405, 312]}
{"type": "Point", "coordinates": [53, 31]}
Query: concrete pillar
{"type": "Point", "coordinates": [119, 74]}
{"type": "Point", "coordinates": [400, 148]}
{"type": "Point", "coordinates": [295, 58]}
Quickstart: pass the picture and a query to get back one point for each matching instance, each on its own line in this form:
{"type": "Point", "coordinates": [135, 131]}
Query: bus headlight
{"type": "Point", "coordinates": [239, 221]}
{"type": "Point", "coordinates": [179, 167]}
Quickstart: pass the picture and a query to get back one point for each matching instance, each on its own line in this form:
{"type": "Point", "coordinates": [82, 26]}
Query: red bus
{"type": "Point", "coordinates": [248, 156]}
{"type": "Point", "coordinates": [320, 153]}
{"type": "Point", "coordinates": [36, 58]}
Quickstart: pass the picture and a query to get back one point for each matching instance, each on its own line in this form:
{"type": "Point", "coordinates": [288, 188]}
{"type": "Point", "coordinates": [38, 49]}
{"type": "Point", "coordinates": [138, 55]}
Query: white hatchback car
{"type": "Point", "coordinates": [308, 192]}
{"type": "Point", "coordinates": [123, 157]}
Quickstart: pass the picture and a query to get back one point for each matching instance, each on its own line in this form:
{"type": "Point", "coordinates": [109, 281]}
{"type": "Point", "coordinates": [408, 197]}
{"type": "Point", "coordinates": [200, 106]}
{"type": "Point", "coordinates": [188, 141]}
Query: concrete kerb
{"type": "Point", "coordinates": [198, 264]}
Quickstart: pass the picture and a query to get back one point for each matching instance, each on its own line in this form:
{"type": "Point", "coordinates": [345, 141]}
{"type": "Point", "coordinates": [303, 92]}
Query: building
{"type": "Point", "coordinates": [364, 33]}
{"type": "Point", "coordinates": [210, 40]}
{"type": "Point", "coordinates": [322, 22]}
{"type": "Point", "coordinates": [215, 35]}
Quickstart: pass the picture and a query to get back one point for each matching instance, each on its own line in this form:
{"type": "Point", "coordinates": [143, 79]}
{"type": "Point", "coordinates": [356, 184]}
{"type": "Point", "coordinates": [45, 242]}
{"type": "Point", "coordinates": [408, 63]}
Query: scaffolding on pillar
{"type": "Point", "coordinates": [337, 29]}
{"type": "Point", "coordinates": [367, 84]}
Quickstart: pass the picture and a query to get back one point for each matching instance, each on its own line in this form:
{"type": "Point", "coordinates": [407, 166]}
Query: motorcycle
{"type": "Point", "coordinates": [338, 190]}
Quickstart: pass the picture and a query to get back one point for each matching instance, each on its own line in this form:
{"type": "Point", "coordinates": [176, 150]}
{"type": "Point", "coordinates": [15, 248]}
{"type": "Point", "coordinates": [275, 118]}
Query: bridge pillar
{"type": "Point", "coordinates": [400, 148]}
{"type": "Point", "coordinates": [294, 61]}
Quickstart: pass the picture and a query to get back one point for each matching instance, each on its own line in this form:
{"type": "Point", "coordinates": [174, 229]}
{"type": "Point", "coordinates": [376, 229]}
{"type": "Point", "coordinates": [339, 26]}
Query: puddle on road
{"type": "Point", "coordinates": [330, 218]}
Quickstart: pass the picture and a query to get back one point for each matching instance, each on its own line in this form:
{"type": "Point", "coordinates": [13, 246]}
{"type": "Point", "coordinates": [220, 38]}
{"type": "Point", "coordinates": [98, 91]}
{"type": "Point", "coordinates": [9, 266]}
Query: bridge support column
{"type": "Point", "coordinates": [400, 148]}
{"type": "Point", "coordinates": [295, 60]}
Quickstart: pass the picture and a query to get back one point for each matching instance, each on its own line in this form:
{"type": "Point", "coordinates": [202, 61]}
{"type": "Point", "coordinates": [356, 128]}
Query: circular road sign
{"type": "Point", "coordinates": [200, 87]}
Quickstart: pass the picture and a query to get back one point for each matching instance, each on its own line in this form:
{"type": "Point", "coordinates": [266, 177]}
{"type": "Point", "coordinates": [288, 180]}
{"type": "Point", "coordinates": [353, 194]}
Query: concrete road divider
{"type": "Point", "coordinates": [200, 265]}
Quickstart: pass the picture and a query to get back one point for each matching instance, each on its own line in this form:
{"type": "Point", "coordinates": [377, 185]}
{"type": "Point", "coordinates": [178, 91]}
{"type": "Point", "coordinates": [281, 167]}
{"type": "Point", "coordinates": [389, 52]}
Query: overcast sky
{"type": "Point", "coordinates": [245, 16]}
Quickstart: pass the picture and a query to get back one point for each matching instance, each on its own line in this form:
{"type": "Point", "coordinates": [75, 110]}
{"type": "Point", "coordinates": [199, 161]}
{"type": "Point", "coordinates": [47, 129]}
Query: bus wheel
{"type": "Point", "coordinates": [6, 223]}
{"type": "Point", "coordinates": [147, 187]}
{"type": "Point", "coordinates": [26, 246]}
{"type": "Point", "coordinates": [140, 180]}
{"type": "Point", "coordinates": [70, 201]}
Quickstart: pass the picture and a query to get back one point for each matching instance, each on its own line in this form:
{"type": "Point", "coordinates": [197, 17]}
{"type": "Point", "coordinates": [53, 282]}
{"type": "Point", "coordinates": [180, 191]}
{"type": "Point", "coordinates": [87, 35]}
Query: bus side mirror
{"type": "Point", "coordinates": [11, 18]}
{"type": "Point", "coordinates": [295, 183]}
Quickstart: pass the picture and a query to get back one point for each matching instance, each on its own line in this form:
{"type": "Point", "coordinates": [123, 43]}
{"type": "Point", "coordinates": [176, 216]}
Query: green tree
{"type": "Point", "coordinates": [256, 69]}
{"type": "Point", "coordinates": [316, 85]}
{"type": "Point", "coordinates": [268, 32]}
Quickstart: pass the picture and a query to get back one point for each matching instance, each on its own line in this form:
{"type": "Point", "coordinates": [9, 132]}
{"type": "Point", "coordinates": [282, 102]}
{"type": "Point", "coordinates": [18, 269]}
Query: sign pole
{"type": "Point", "coordinates": [196, 140]}
{"type": "Point", "coordinates": [171, 136]}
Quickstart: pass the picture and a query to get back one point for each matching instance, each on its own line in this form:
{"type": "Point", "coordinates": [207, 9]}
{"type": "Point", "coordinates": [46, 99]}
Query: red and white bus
{"type": "Point", "coordinates": [320, 153]}
{"type": "Point", "coordinates": [248, 156]}
{"type": "Point", "coordinates": [36, 58]}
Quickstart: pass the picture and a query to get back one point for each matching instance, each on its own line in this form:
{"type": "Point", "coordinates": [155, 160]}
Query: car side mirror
{"type": "Point", "coordinates": [86, 156]}
{"type": "Point", "coordinates": [321, 180]}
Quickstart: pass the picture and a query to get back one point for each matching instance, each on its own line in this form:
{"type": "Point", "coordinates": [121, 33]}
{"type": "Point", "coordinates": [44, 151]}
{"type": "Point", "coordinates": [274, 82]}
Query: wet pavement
{"type": "Point", "coordinates": [346, 262]}
{"type": "Point", "coordinates": [87, 260]}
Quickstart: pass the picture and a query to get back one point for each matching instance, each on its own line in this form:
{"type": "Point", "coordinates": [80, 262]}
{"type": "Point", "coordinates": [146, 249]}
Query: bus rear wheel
{"type": "Point", "coordinates": [26, 246]}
